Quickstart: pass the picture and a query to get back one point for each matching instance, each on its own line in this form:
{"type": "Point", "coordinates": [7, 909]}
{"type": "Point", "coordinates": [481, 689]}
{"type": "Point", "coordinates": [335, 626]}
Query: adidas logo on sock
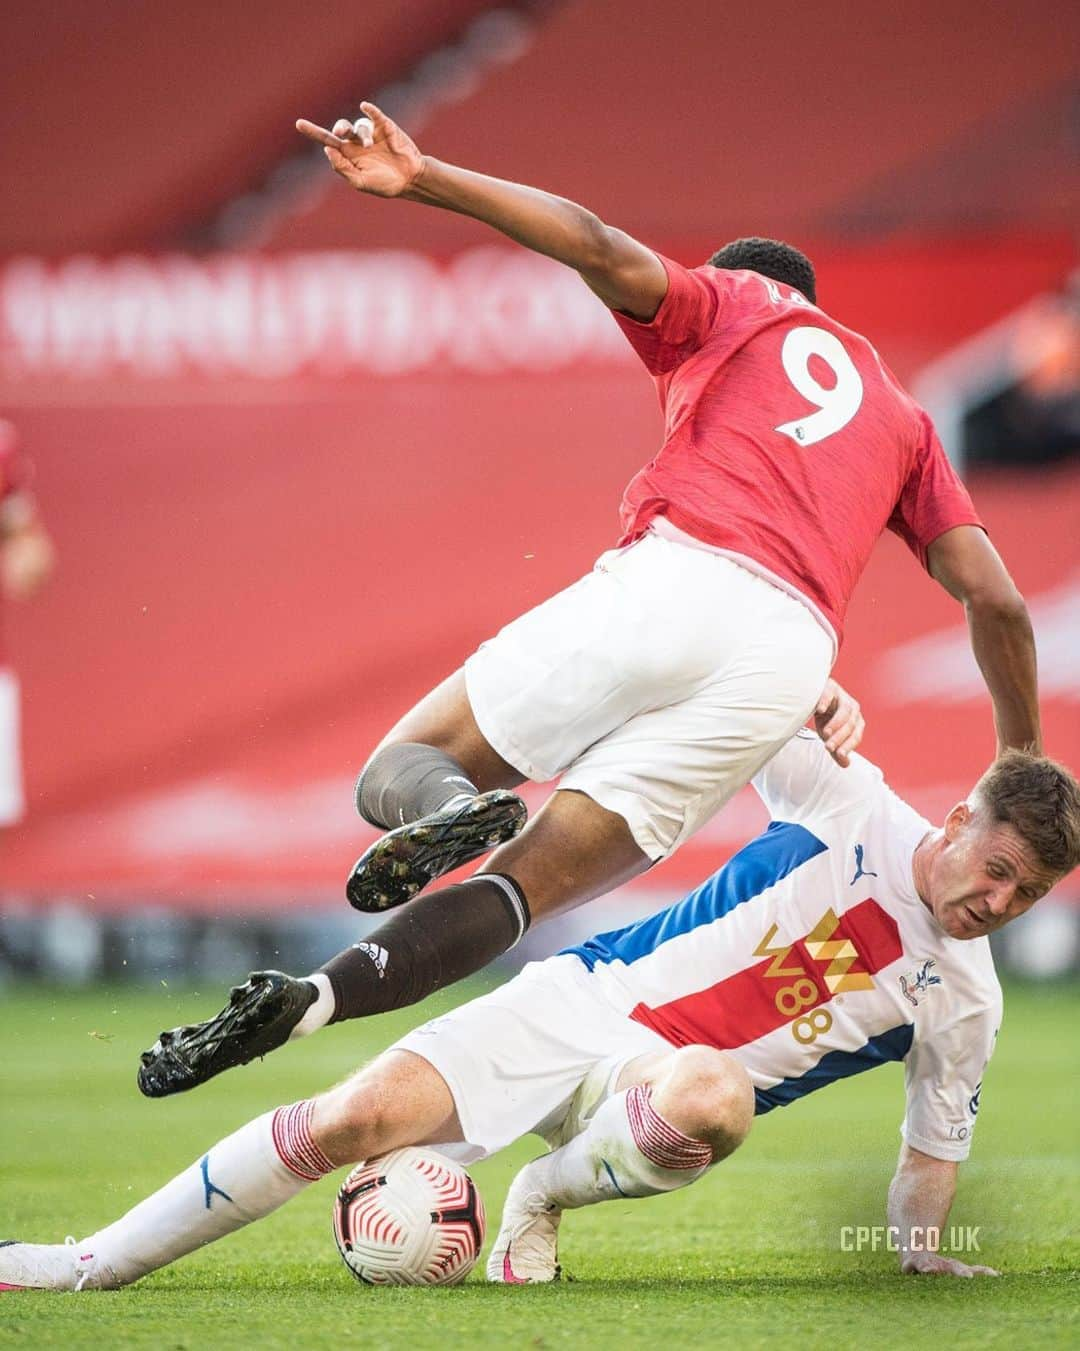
{"type": "Point", "coordinates": [378, 955]}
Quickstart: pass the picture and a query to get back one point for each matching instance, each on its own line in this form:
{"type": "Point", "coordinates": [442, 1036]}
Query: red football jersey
{"type": "Point", "coordinates": [787, 440]}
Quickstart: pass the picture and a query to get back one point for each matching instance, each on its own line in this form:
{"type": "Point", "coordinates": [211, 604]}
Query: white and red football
{"type": "Point", "coordinates": [411, 1217]}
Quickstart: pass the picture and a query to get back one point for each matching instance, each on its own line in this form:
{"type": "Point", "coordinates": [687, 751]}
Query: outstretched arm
{"type": "Point", "coordinates": [375, 156]}
{"type": "Point", "coordinates": [968, 566]}
{"type": "Point", "coordinates": [920, 1198]}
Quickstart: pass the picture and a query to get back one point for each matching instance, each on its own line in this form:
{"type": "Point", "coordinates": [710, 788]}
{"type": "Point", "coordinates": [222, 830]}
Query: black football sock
{"type": "Point", "coordinates": [427, 944]}
{"type": "Point", "coordinates": [402, 783]}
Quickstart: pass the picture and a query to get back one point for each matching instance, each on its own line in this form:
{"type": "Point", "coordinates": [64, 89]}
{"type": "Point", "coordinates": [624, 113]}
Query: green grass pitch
{"type": "Point", "coordinates": [749, 1256]}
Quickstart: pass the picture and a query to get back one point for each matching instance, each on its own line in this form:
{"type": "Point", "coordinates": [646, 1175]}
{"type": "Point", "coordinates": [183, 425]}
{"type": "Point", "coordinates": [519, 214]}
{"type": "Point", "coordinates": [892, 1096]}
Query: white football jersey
{"type": "Point", "coordinates": [810, 957]}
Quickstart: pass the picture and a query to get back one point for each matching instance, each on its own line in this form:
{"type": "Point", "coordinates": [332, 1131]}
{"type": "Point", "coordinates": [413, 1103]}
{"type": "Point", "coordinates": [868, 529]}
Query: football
{"type": "Point", "coordinates": [411, 1217]}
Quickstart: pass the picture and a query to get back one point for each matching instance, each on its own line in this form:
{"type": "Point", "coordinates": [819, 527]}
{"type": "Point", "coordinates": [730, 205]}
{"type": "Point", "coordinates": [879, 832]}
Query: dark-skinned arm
{"type": "Point", "coordinates": [621, 271]}
{"type": "Point", "coordinates": [375, 156]}
{"type": "Point", "coordinates": [969, 568]}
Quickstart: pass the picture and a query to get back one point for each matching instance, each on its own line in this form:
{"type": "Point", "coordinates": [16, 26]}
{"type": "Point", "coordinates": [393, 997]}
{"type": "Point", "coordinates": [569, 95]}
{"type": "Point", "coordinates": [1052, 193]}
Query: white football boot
{"type": "Point", "coordinates": [526, 1247]}
{"type": "Point", "coordinates": [52, 1266]}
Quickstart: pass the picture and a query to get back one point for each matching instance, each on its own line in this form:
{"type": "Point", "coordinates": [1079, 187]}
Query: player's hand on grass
{"type": "Point", "coordinates": [839, 722]}
{"type": "Point", "coordinates": [933, 1264]}
{"type": "Point", "coordinates": [371, 154]}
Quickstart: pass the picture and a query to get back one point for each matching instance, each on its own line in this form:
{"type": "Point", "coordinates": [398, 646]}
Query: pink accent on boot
{"type": "Point", "coordinates": [508, 1272]}
{"type": "Point", "coordinates": [291, 1130]}
{"type": "Point", "coordinates": [660, 1141]}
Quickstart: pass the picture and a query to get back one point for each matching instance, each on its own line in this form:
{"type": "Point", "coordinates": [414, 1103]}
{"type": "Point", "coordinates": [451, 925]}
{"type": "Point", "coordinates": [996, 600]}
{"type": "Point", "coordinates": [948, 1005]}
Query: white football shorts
{"type": "Point", "coordinates": [536, 1056]}
{"type": "Point", "coordinates": [11, 790]}
{"type": "Point", "coordinates": [659, 684]}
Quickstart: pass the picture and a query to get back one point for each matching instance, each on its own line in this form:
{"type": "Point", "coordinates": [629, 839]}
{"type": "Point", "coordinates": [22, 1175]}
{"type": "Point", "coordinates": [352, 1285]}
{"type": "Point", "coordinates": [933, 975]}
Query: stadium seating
{"type": "Point", "coordinates": [130, 123]}
{"type": "Point", "coordinates": [714, 120]}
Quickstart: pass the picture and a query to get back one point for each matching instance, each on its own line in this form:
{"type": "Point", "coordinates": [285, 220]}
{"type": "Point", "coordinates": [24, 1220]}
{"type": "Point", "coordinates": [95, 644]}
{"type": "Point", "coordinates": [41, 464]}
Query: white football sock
{"type": "Point", "coordinates": [627, 1149]}
{"type": "Point", "coordinates": [321, 1009]}
{"type": "Point", "coordinates": [244, 1177]}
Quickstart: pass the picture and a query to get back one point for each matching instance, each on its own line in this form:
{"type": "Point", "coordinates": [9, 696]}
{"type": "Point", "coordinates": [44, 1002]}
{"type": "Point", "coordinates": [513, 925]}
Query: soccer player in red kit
{"type": "Point", "coordinates": [26, 561]}
{"type": "Point", "coordinates": [659, 684]}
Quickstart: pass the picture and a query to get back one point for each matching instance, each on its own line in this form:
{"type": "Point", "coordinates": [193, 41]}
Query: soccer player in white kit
{"type": "Point", "coordinates": [850, 933]}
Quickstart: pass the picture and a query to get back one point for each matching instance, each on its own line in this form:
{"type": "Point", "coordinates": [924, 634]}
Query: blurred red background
{"type": "Point", "coordinates": [259, 571]}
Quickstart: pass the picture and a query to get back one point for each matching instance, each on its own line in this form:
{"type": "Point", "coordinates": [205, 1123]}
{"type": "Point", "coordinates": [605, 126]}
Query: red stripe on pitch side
{"type": "Point", "coordinates": [742, 1007]}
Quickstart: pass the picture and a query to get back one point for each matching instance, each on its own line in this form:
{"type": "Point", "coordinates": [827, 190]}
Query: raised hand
{"type": "Point", "coordinates": [371, 154]}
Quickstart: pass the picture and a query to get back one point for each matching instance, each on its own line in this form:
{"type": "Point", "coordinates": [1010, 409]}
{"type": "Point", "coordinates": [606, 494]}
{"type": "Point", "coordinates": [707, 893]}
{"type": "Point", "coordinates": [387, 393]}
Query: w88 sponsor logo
{"type": "Point", "coordinates": [827, 961]}
{"type": "Point", "coordinates": [788, 988]}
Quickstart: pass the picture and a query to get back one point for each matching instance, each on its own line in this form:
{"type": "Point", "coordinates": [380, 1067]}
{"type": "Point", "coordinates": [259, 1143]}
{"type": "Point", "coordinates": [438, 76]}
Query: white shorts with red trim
{"type": "Point", "coordinates": [11, 788]}
{"type": "Point", "coordinates": [659, 684]}
{"type": "Point", "coordinates": [536, 1056]}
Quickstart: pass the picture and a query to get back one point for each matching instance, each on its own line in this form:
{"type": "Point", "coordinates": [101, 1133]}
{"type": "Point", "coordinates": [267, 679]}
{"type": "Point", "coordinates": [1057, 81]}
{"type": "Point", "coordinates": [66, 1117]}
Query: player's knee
{"type": "Point", "coordinates": [714, 1095]}
{"type": "Point", "coordinates": [371, 785]}
{"type": "Point", "coordinates": [353, 1121]}
{"type": "Point", "coordinates": [405, 780]}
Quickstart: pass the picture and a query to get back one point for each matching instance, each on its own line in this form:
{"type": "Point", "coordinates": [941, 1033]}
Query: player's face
{"type": "Point", "coordinates": [983, 876]}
